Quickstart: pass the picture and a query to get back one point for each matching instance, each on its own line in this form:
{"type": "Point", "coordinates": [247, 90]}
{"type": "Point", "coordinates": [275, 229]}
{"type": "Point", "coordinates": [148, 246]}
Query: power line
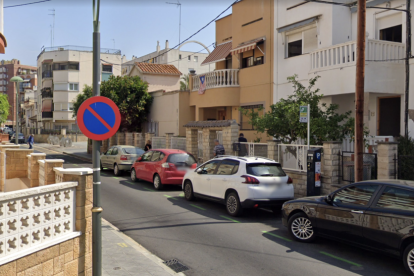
{"type": "Point", "coordinates": [27, 4]}
{"type": "Point", "coordinates": [198, 30]}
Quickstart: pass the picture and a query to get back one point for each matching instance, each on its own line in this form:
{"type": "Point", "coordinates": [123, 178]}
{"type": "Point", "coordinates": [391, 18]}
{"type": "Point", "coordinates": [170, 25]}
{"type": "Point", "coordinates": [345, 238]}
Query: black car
{"type": "Point", "coordinates": [376, 215]}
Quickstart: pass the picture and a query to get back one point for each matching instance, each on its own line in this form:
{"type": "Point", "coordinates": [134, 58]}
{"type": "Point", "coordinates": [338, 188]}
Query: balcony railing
{"type": "Point", "coordinates": [47, 74]}
{"type": "Point", "coordinates": [345, 54]}
{"type": "Point", "coordinates": [47, 115]}
{"type": "Point", "coordinates": [47, 93]}
{"type": "Point", "coordinates": [218, 78]}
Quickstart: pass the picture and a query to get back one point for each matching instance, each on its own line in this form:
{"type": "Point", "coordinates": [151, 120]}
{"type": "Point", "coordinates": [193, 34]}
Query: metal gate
{"type": "Point", "coordinates": [220, 137]}
{"type": "Point", "coordinates": [370, 166]}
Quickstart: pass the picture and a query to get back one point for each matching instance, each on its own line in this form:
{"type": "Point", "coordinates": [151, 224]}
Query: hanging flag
{"type": "Point", "coordinates": [202, 88]}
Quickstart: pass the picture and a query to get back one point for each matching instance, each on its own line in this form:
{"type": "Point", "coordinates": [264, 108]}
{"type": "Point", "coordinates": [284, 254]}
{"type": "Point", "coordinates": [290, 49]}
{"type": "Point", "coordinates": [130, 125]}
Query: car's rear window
{"type": "Point", "coordinates": [181, 159]}
{"type": "Point", "coordinates": [137, 151]}
{"type": "Point", "coordinates": [265, 169]}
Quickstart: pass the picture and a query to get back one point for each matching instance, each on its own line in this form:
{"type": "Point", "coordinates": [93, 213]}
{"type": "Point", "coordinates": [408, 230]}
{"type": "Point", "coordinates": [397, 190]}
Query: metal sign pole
{"type": "Point", "coordinates": [97, 209]}
{"type": "Point", "coordinates": [308, 125]}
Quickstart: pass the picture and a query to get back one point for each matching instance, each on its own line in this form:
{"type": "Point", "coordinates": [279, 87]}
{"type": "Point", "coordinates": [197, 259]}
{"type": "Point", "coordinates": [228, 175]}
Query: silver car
{"type": "Point", "coordinates": [120, 158]}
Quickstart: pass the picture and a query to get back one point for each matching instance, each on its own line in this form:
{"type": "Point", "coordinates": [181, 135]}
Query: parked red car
{"type": "Point", "coordinates": [163, 167]}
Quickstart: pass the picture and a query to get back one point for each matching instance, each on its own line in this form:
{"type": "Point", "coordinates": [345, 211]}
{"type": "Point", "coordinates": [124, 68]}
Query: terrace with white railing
{"type": "Point", "coordinates": [217, 79]}
{"type": "Point", "coordinates": [344, 54]}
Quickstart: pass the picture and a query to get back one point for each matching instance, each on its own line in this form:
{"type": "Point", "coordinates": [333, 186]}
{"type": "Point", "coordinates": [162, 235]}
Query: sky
{"type": "Point", "coordinates": [135, 25]}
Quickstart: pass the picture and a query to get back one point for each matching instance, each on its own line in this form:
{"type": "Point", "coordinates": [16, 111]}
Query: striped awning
{"type": "Point", "coordinates": [246, 46]}
{"type": "Point", "coordinates": [220, 53]}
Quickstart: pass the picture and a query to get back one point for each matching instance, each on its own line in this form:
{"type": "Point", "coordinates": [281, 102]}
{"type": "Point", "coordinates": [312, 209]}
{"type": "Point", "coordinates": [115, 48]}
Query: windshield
{"type": "Point", "coordinates": [137, 151]}
{"type": "Point", "coordinates": [265, 169]}
{"type": "Point", "coordinates": [182, 159]}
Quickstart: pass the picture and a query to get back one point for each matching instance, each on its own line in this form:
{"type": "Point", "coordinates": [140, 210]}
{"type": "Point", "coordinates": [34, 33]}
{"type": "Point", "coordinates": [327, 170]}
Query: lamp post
{"type": "Point", "coordinates": [16, 80]}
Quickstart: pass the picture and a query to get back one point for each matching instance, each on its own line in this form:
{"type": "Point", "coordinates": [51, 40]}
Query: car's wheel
{"type": "Point", "coordinates": [300, 228]}
{"type": "Point", "coordinates": [102, 167]}
{"type": "Point", "coordinates": [188, 190]}
{"type": "Point", "coordinates": [233, 205]}
{"type": "Point", "coordinates": [134, 175]}
{"type": "Point", "coordinates": [116, 170]}
{"type": "Point", "coordinates": [408, 259]}
{"type": "Point", "coordinates": [157, 182]}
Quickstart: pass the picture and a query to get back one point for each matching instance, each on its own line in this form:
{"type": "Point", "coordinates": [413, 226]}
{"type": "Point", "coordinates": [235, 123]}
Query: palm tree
{"type": "Point", "coordinates": [185, 80]}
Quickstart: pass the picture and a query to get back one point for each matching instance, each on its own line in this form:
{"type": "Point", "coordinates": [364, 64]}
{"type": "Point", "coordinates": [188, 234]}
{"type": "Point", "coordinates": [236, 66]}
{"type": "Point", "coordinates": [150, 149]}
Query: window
{"type": "Point", "coordinates": [109, 152]}
{"type": "Point", "coordinates": [73, 66]}
{"type": "Point", "coordinates": [73, 87]}
{"type": "Point", "coordinates": [181, 159]}
{"type": "Point", "coordinates": [190, 69]}
{"type": "Point", "coordinates": [302, 42]}
{"type": "Point", "coordinates": [179, 56]}
{"type": "Point", "coordinates": [228, 167]}
{"type": "Point", "coordinates": [115, 151]}
{"type": "Point", "coordinates": [189, 58]}
{"type": "Point", "coordinates": [248, 62]}
{"type": "Point", "coordinates": [295, 48]}
{"type": "Point", "coordinates": [196, 58]}
{"type": "Point", "coordinates": [355, 195]}
{"type": "Point", "coordinates": [394, 198]}
{"type": "Point", "coordinates": [65, 66]}
{"type": "Point", "coordinates": [155, 156]}
{"type": "Point", "coordinates": [70, 105]}
{"type": "Point", "coordinates": [147, 156]}
{"type": "Point", "coordinates": [136, 151]}
{"type": "Point", "coordinates": [392, 34]}
{"type": "Point", "coordinates": [210, 167]}
{"type": "Point", "coordinates": [265, 169]}
{"type": "Point", "coordinates": [250, 58]}
{"type": "Point", "coordinates": [244, 120]}
{"type": "Point", "coordinates": [58, 107]}
{"type": "Point", "coordinates": [107, 68]}
{"type": "Point", "coordinates": [229, 62]}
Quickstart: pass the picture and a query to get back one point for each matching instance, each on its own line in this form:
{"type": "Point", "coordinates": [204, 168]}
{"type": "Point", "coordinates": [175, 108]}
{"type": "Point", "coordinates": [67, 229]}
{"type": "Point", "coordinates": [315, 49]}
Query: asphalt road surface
{"type": "Point", "coordinates": [203, 237]}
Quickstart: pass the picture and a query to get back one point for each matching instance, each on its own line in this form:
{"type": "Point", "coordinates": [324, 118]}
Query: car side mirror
{"type": "Point", "coordinates": [139, 159]}
{"type": "Point", "coordinates": [199, 171]}
{"type": "Point", "coordinates": [329, 199]}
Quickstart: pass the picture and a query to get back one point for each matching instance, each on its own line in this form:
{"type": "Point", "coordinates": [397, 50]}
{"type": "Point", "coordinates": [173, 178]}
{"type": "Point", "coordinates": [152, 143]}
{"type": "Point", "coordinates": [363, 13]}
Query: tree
{"type": "Point", "coordinates": [282, 121]}
{"type": "Point", "coordinates": [4, 108]}
{"type": "Point", "coordinates": [184, 83]}
{"type": "Point", "coordinates": [129, 94]}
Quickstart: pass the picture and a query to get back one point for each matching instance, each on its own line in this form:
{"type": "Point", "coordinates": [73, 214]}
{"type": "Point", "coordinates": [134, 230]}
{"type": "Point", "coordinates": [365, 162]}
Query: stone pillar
{"type": "Point", "coordinates": [148, 136]}
{"type": "Point", "coordinates": [330, 166]}
{"type": "Point", "coordinates": [46, 173]}
{"type": "Point", "coordinates": [230, 136]}
{"type": "Point", "coordinates": [168, 143]}
{"type": "Point", "coordinates": [273, 151]}
{"type": "Point", "coordinates": [84, 202]}
{"type": "Point", "coordinates": [128, 139]}
{"type": "Point", "coordinates": [192, 141]}
{"type": "Point", "coordinates": [33, 168]}
{"type": "Point", "coordinates": [386, 153]}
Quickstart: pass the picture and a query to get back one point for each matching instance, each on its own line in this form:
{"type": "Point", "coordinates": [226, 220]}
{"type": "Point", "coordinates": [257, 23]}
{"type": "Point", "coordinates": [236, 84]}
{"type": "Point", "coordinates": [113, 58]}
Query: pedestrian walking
{"type": "Point", "coordinates": [218, 149]}
{"type": "Point", "coordinates": [243, 150]}
{"type": "Point", "coordinates": [148, 145]}
{"type": "Point", "coordinates": [30, 141]}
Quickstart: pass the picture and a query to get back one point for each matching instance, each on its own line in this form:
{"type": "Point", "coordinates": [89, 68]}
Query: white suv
{"type": "Point", "coordinates": [240, 182]}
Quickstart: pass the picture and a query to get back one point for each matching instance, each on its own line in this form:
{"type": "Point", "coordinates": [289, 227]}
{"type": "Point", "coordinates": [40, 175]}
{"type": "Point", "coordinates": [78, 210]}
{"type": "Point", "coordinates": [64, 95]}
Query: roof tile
{"type": "Point", "coordinates": [151, 68]}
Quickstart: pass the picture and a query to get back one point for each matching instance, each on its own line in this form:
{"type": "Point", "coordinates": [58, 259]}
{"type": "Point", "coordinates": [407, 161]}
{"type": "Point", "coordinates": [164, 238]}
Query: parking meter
{"type": "Point", "coordinates": [314, 172]}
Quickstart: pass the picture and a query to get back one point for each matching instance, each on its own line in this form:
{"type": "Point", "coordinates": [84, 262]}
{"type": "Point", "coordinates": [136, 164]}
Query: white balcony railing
{"type": "Point", "coordinates": [345, 54]}
{"type": "Point", "coordinates": [218, 78]}
{"type": "Point", "coordinates": [36, 218]}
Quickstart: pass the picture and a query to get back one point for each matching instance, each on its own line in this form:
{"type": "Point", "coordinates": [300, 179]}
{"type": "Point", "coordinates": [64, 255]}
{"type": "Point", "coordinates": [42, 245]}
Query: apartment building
{"type": "Point", "coordinates": [184, 61]}
{"type": "Point", "coordinates": [243, 60]}
{"type": "Point", "coordinates": [63, 73]}
{"type": "Point", "coordinates": [8, 70]}
{"type": "Point", "coordinates": [316, 39]}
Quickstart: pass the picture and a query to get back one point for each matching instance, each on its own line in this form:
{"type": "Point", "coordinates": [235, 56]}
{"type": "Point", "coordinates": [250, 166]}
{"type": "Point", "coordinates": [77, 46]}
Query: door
{"type": "Point", "coordinates": [343, 218]}
{"type": "Point", "coordinates": [140, 166]}
{"type": "Point", "coordinates": [112, 159]}
{"type": "Point", "coordinates": [389, 219]}
{"type": "Point", "coordinates": [389, 116]}
{"type": "Point", "coordinates": [151, 166]}
{"type": "Point", "coordinates": [224, 178]}
{"type": "Point", "coordinates": [104, 158]}
{"type": "Point", "coordinates": [222, 114]}
{"type": "Point", "coordinates": [201, 183]}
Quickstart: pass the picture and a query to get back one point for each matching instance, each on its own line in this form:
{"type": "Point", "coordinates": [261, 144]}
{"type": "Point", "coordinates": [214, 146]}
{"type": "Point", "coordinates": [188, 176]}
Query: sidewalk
{"type": "Point", "coordinates": [121, 255]}
{"type": "Point", "coordinates": [78, 150]}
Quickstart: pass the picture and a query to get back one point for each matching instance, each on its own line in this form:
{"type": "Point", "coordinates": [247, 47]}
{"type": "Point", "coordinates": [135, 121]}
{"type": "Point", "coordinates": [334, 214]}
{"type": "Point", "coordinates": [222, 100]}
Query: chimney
{"type": "Point", "coordinates": [166, 45]}
{"type": "Point", "coordinates": [158, 46]}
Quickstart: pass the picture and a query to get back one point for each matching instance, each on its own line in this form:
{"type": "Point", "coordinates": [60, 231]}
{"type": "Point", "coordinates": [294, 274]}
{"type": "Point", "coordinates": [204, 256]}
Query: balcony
{"type": "Point", "coordinates": [384, 67]}
{"type": "Point", "coordinates": [47, 74]}
{"type": "Point", "coordinates": [47, 115]}
{"type": "Point", "coordinates": [218, 79]}
{"type": "Point", "coordinates": [47, 93]}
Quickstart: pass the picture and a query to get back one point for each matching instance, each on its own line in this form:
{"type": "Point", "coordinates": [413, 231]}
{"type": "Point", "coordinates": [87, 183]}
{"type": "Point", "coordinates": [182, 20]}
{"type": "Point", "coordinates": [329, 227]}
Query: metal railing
{"type": "Point", "coordinates": [47, 74]}
{"type": "Point", "coordinates": [293, 157]}
{"type": "Point", "coordinates": [253, 149]}
{"type": "Point", "coordinates": [47, 115]}
{"type": "Point", "coordinates": [348, 143]}
{"type": "Point", "coordinates": [218, 78]}
{"type": "Point", "coordinates": [158, 143]}
{"type": "Point", "coordinates": [179, 143]}
{"type": "Point", "coordinates": [80, 49]}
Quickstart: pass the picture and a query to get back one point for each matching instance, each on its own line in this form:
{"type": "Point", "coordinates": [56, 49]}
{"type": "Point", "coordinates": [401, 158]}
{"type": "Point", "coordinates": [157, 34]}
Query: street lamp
{"type": "Point", "coordinates": [17, 79]}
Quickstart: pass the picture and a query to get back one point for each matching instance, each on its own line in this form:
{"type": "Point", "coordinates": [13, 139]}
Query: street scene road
{"type": "Point", "coordinates": [205, 238]}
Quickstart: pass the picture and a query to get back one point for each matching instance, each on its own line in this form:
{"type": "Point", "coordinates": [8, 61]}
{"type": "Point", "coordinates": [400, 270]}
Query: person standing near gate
{"type": "Point", "coordinates": [30, 141]}
{"type": "Point", "coordinates": [218, 149]}
{"type": "Point", "coordinates": [243, 147]}
{"type": "Point", "coordinates": [148, 145]}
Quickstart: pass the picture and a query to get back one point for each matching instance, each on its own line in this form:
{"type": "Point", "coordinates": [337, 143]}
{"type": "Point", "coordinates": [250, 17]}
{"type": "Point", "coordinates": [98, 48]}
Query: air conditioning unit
{"type": "Point", "coordinates": [61, 49]}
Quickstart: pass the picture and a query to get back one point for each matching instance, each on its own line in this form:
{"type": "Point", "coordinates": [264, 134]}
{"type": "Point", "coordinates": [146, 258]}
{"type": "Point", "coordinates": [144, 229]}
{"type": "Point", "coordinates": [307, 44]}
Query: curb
{"type": "Point", "coordinates": [142, 250]}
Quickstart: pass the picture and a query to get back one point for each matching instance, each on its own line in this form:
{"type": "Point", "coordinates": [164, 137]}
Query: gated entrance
{"type": "Point", "coordinates": [347, 164]}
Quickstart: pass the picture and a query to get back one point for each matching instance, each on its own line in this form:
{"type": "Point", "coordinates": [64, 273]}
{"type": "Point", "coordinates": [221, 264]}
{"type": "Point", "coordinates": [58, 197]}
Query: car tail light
{"type": "Point", "coordinates": [193, 166]}
{"type": "Point", "coordinates": [123, 157]}
{"type": "Point", "coordinates": [290, 180]}
{"type": "Point", "coordinates": [250, 180]}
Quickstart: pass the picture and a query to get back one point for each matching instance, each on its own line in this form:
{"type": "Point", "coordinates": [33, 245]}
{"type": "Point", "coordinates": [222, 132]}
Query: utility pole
{"type": "Point", "coordinates": [407, 64]}
{"type": "Point", "coordinates": [53, 28]}
{"type": "Point", "coordinates": [96, 155]}
{"type": "Point", "coordinates": [359, 90]}
{"type": "Point", "coordinates": [179, 31]}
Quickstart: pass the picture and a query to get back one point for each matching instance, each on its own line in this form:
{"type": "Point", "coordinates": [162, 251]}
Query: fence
{"type": "Point", "coordinates": [252, 149]}
{"type": "Point", "coordinates": [347, 164]}
{"type": "Point", "coordinates": [405, 167]}
{"type": "Point", "coordinates": [158, 143]}
{"type": "Point", "coordinates": [293, 157]}
{"type": "Point", "coordinates": [200, 145]}
{"type": "Point", "coordinates": [348, 143]}
{"type": "Point", "coordinates": [178, 143]}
